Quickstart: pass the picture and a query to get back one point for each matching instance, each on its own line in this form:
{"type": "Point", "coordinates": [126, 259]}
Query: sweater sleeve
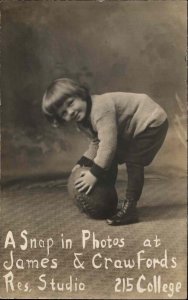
{"type": "Point", "coordinates": [92, 149]}
{"type": "Point", "coordinates": [107, 136]}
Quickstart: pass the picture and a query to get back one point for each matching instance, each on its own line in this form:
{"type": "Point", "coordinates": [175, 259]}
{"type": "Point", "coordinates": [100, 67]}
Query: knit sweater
{"type": "Point", "coordinates": [116, 117]}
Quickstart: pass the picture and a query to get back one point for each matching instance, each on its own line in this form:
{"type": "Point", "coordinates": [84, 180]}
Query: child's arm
{"type": "Point", "coordinates": [90, 154]}
{"type": "Point", "coordinates": [87, 159]}
{"type": "Point", "coordinates": [107, 136]}
{"type": "Point", "coordinates": [107, 144]}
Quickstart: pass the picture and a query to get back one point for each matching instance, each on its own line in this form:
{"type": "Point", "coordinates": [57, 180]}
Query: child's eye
{"type": "Point", "coordinates": [71, 101]}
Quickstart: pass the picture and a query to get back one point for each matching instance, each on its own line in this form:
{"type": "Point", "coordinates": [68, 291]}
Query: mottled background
{"type": "Point", "coordinates": [135, 46]}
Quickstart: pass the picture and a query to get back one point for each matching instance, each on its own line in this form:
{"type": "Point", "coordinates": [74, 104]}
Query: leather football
{"type": "Point", "coordinates": [100, 203]}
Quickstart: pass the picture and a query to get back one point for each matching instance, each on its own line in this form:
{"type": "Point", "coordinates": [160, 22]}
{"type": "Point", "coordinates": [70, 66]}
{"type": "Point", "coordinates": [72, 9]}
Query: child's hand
{"type": "Point", "coordinates": [85, 182]}
{"type": "Point", "coordinates": [75, 167]}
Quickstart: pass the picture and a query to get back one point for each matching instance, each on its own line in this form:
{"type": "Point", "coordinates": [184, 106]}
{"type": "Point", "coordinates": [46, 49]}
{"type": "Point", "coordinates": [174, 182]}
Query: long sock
{"type": "Point", "coordinates": [135, 183]}
{"type": "Point", "coordinates": [111, 176]}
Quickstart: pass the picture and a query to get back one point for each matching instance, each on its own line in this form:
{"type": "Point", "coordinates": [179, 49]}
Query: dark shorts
{"type": "Point", "coordinates": [143, 148]}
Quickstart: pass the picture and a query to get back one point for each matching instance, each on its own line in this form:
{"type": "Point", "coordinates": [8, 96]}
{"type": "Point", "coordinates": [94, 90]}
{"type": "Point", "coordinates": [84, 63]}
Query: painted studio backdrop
{"type": "Point", "coordinates": [122, 46]}
{"type": "Point", "coordinates": [110, 46]}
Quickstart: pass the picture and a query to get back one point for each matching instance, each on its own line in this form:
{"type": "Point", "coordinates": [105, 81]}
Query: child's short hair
{"type": "Point", "coordinates": [56, 94]}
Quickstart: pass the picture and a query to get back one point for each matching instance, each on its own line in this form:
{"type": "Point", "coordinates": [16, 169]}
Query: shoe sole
{"type": "Point", "coordinates": [126, 222]}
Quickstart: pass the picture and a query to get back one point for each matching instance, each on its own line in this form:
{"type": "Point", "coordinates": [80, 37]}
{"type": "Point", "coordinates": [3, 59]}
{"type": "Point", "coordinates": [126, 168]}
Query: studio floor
{"type": "Point", "coordinates": [122, 267]}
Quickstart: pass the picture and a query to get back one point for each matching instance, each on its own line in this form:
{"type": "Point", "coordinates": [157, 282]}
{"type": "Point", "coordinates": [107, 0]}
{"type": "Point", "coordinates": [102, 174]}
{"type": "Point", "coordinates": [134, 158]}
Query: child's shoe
{"type": "Point", "coordinates": [126, 215]}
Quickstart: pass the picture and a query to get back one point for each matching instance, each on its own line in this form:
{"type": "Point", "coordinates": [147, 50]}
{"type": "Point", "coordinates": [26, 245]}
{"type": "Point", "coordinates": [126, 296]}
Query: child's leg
{"type": "Point", "coordinates": [128, 213]}
{"type": "Point", "coordinates": [135, 173]}
{"type": "Point", "coordinates": [141, 152]}
{"type": "Point", "coordinates": [111, 175]}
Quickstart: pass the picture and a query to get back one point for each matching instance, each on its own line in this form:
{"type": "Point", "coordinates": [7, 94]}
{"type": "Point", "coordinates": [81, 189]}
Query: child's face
{"type": "Point", "coordinates": [73, 109]}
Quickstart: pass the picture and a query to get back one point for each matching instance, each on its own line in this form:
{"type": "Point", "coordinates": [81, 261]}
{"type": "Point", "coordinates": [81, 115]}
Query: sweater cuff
{"type": "Point", "coordinates": [97, 171]}
{"type": "Point", "coordinates": [84, 161]}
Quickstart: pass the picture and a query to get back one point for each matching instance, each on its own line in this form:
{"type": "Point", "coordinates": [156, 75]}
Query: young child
{"type": "Point", "coordinates": [124, 128]}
